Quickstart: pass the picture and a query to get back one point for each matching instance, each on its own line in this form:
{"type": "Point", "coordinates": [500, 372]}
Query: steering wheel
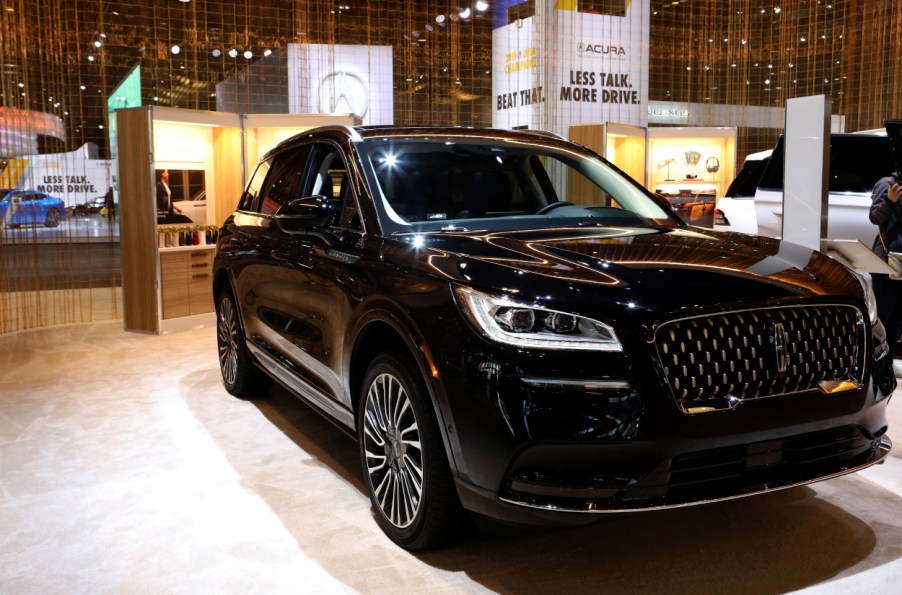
{"type": "Point", "coordinates": [552, 206]}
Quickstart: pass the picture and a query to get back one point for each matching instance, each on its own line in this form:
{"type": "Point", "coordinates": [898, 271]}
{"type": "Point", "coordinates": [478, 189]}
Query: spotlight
{"type": "Point", "coordinates": [482, 6]}
{"type": "Point", "coordinates": [440, 19]}
{"type": "Point", "coordinates": [98, 43]}
{"type": "Point", "coordinates": [267, 52]}
{"type": "Point", "coordinates": [248, 54]}
{"type": "Point", "coordinates": [176, 49]}
{"type": "Point", "coordinates": [217, 53]}
{"type": "Point", "coordinates": [233, 53]}
{"type": "Point", "coordinates": [465, 13]}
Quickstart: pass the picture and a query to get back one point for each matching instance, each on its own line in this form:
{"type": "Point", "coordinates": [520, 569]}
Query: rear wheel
{"type": "Point", "coordinates": [405, 468]}
{"type": "Point", "coordinates": [53, 219]}
{"type": "Point", "coordinates": [239, 374]}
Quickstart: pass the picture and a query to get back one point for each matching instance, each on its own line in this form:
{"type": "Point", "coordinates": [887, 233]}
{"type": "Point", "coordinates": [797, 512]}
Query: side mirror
{"type": "Point", "coordinates": [305, 213]}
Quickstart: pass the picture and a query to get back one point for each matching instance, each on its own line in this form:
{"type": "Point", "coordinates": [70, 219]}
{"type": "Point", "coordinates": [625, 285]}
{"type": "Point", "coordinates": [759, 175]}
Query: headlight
{"type": "Point", "coordinates": [506, 321]}
{"type": "Point", "coordinates": [869, 297]}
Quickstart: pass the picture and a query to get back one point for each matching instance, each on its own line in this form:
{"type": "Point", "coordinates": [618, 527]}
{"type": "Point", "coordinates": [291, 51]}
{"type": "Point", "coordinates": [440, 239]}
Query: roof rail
{"type": "Point", "coordinates": [546, 133]}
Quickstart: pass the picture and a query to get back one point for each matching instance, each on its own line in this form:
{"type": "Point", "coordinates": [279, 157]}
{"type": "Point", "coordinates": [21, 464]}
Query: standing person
{"type": "Point", "coordinates": [164, 194]}
{"type": "Point", "coordinates": [886, 214]}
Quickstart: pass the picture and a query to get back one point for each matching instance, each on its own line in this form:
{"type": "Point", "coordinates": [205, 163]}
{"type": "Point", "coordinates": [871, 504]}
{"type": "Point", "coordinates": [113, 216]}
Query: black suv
{"type": "Point", "coordinates": [511, 326]}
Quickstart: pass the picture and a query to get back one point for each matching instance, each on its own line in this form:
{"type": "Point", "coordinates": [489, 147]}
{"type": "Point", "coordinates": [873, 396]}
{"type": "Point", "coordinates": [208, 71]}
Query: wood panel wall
{"type": "Point", "coordinates": [137, 222]}
{"type": "Point", "coordinates": [229, 180]}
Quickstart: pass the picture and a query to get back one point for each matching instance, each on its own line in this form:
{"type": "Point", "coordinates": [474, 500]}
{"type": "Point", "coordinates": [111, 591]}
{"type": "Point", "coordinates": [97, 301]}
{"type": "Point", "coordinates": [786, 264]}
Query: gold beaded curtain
{"type": "Point", "coordinates": [61, 59]}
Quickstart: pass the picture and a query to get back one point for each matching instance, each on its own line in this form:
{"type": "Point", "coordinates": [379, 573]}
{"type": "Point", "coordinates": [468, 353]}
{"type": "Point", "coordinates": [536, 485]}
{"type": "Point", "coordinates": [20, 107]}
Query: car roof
{"type": "Point", "coordinates": [362, 133]}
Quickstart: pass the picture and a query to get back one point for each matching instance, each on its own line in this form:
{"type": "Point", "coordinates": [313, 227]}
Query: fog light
{"type": "Point", "coordinates": [518, 320]}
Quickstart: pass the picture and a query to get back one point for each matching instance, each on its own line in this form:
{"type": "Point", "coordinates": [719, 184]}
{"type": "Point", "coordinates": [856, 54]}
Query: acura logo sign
{"type": "Point", "coordinates": [779, 339]}
{"type": "Point", "coordinates": [344, 92]}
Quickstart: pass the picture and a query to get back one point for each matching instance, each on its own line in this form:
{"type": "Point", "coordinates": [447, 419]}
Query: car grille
{"type": "Point", "coordinates": [717, 361]}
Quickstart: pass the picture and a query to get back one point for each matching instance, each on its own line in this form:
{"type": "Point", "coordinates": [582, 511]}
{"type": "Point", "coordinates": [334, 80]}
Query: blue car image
{"type": "Point", "coordinates": [21, 207]}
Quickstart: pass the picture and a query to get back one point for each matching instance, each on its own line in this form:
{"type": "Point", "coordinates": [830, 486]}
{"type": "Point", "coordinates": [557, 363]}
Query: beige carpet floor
{"type": "Point", "coordinates": [126, 468]}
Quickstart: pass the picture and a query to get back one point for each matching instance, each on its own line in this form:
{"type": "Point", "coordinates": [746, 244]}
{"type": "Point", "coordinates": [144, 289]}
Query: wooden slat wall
{"type": "Point", "coordinates": [137, 223]}
{"type": "Point", "coordinates": [228, 182]}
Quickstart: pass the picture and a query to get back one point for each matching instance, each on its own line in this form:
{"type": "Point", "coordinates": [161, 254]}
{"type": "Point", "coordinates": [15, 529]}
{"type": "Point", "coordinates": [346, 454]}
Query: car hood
{"type": "Point", "coordinates": [645, 273]}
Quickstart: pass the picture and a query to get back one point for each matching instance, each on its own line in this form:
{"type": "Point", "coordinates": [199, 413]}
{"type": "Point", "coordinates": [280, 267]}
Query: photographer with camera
{"type": "Point", "coordinates": [886, 214]}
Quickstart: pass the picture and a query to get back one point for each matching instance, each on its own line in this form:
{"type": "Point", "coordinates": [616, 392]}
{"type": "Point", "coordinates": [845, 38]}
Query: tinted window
{"type": "Point", "coordinates": [249, 198]}
{"type": "Point", "coordinates": [747, 181]}
{"type": "Point", "coordinates": [284, 182]}
{"type": "Point", "coordinates": [330, 179]}
{"type": "Point", "coordinates": [856, 163]}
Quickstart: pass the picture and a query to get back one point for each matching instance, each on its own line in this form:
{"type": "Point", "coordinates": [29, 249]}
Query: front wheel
{"type": "Point", "coordinates": [53, 219]}
{"type": "Point", "coordinates": [406, 471]}
{"type": "Point", "coordinates": [239, 374]}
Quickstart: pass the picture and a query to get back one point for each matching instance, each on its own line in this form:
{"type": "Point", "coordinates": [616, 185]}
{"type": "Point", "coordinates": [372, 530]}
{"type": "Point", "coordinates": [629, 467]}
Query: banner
{"type": "Point", "coordinates": [562, 62]}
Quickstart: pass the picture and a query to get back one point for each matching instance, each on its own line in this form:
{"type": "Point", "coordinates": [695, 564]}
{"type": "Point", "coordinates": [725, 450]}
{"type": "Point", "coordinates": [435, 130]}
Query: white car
{"type": "Point", "coordinates": [194, 208]}
{"type": "Point", "coordinates": [857, 161]}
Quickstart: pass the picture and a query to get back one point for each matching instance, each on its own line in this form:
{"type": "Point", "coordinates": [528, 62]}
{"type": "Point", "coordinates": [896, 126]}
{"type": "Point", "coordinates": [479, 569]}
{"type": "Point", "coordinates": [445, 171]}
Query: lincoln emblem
{"type": "Point", "coordinates": [779, 338]}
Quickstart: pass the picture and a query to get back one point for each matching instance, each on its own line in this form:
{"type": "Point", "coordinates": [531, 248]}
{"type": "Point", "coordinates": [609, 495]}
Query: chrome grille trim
{"type": "Point", "coordinates": [716, 361]}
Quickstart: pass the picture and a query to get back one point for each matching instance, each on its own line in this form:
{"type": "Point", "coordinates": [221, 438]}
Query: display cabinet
{"type": "Point", "coordinates": [167, 253]}
{"type": "Point", "coordinates": [692, 167]}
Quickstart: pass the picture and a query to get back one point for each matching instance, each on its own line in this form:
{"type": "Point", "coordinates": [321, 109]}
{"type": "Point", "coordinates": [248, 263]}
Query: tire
{"type": "Point", "coordinates": [53, 219]}
{"type": "Point", "coordinates": [240, 376]}
{"type": "Point", "coordinates": [404, 464]}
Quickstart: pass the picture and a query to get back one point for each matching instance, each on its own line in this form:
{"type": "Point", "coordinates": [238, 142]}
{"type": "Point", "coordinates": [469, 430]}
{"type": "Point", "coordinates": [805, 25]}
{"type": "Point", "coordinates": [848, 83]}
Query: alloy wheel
{"type": "Point", "coordinates": [393, 452]}
{"type": "Point", "coordinates": [227, 335]}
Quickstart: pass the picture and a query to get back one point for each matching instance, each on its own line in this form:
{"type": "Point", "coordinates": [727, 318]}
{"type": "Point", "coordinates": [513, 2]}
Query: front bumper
{"type": "Point", "coordinates": [532, 449]}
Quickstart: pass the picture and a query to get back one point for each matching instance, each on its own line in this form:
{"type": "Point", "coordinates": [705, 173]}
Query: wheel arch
{"type": "Point", "coordinates": [383, 333]}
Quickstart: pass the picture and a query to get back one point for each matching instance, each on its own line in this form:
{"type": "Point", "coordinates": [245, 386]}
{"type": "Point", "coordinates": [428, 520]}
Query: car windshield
{"type": "Point", "coordinates": [452, 183]}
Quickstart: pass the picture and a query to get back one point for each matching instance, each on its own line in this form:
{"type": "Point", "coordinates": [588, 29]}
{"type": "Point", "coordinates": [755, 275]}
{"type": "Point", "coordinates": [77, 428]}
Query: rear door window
{"type": "Point", "coordinates": [856, 163]}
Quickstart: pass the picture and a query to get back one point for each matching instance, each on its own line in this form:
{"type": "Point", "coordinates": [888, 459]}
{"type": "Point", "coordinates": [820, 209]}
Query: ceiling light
{"type": "Point", "coordinates": [465, 13]}
{"type": "Point", "coordinates": [267, 52]}
{"type": "Point", "coordinates": [233, 53]}
{"type": "Point", "coordinates": [175, 49]}
{"type": "Point", "coordinates": [217, 53]}
{"type": "Point", "coordinates": [248, 54]}
{"type": "Point", "coordinates": [98, 43]}
{"type": "Point", "coordinates": [90, 58]}
{"type": "Point", "coordinates": [482, 6]}
{"type": "Point", "coordinates": [777, 9]}
{"type": "Point", "coordinates": [440, 19]}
